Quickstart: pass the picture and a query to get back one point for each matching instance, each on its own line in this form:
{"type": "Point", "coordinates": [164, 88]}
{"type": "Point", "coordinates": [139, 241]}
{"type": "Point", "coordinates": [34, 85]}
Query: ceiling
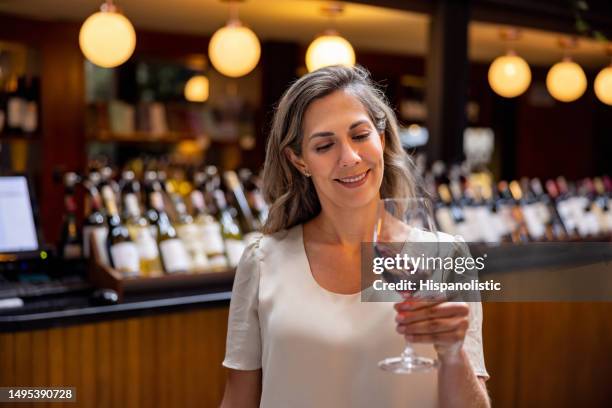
{"type": "Point", "coordinates": [366, 27]}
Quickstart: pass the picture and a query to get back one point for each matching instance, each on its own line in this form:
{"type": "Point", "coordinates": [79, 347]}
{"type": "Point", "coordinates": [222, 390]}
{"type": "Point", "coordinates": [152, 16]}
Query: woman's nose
{"type": "Point", "coordinates": [349, 156]}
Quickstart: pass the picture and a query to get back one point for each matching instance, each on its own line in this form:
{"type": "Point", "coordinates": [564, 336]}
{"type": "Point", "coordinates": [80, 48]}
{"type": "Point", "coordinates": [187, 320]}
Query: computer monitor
{"type": "Point", "coordinates": [18, 231]}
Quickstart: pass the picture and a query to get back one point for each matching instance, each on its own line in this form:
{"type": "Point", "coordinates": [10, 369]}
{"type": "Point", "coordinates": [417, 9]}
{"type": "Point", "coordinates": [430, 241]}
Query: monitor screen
{"type": "Point", "coordinates": [17, 227]}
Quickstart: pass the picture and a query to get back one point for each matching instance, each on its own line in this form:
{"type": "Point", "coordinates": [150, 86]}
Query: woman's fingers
{"type": "Point", "coordinates": [434, 326]}
{"type": "Point", "coordinates": [439, 339]}
{"type": "Point", "coordinates": [437, 311]}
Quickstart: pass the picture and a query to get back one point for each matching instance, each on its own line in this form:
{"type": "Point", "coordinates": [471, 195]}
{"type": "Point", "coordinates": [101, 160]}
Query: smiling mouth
{"type": "Point", "coordinates": [353, 179]}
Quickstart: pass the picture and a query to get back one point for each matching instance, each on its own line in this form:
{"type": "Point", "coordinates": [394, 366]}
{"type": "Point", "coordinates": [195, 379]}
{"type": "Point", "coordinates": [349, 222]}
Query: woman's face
{"type": "Point", "coordinates": [342, 151]}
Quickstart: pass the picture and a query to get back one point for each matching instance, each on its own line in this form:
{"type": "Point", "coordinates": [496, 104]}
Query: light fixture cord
{"type": "Point", "coordinates": [233, 12]}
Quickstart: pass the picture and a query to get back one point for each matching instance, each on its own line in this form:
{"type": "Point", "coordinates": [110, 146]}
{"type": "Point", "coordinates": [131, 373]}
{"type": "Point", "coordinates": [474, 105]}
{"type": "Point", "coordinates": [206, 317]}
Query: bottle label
{"type": "Point", "coordinates": [87, 239]}
{"type": "Point", "coordinates": [213, 241]}
{"type": "Point", "coordinates": [147, 247]}
{"type": "Point", "coordinates": [30, 117]}
{"type": "Point", "coordinates": [99, 236]}
{"type": "Point", "coordinates": [192, 239]}
{"type": "Point", "coordinates": [174, 256]}
{"type": "Point", "coordinates": [533, 221]}
{"type": "Point", "coordinates": [234, 248]}
{"type": "Point", "coordinates": [218, 261]}
{"type": "Point", "coordinates": [15, 112]}
{"type": "Point", "coordinates": [125, 258]}
{"type": "Point", "coordinates": [131, 204]}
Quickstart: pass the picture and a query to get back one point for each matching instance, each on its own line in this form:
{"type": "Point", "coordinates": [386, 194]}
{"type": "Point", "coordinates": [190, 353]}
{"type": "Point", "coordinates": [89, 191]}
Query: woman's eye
{"type": "Point", "coordinates": [362, 136]}
{"type": "Point", "coordinates": [324, 147]}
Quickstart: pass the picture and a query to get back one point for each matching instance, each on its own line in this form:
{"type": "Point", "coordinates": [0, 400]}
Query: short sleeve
{"type": "Point", "coordinates": [472, 344]}
{"type": "Point", "coordinates": [243, 345]}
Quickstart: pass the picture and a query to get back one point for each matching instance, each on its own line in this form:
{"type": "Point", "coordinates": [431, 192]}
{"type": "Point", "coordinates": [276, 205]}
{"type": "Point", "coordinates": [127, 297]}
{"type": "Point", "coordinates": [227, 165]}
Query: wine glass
{"type": "Point", "coordinates": [406, 227]}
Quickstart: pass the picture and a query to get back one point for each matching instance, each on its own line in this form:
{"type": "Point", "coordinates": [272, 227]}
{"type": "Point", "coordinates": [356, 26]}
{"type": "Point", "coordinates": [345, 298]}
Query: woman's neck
{"type": "Point", "coordinates": [347, 227]}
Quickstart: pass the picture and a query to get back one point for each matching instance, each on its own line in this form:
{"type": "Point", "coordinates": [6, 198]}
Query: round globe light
{"type": "Point", "coordinates": [603, 85]}
{"type": "Point", "coordinates": [107, 39]}
{"type": "Point", "coordinates": [329, 49]}
{"type": "Point", "coordinates": [509, 75]}
{"type": "Point", "coordinates": [566, 81]}
{"type": "Point", "coordinates": [234, 50]}
{"type": "Point", "coordinates": [196, 89]}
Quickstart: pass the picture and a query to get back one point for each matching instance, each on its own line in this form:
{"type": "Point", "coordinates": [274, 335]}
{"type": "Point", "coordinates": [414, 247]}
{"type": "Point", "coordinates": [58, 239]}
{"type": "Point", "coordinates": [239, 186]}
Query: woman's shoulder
{"type": "Point", "coordinates": [262, 244]}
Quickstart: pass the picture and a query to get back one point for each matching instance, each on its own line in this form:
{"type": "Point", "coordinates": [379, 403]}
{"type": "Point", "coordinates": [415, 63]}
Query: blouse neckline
{"type": "Point", "coordinates": [310, 276]}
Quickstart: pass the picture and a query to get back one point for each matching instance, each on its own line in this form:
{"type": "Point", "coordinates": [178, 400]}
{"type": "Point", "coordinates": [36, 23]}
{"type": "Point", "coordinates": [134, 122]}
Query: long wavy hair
{"type": "Point", "coordinates": [292, 196]}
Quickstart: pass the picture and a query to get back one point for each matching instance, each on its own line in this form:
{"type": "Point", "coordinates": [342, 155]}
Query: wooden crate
{"type": "Point", "coordinates": [103, 276]}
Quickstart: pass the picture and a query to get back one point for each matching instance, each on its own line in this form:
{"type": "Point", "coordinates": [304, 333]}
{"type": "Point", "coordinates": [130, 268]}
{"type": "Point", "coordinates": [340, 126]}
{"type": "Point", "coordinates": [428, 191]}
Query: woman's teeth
{"type": "Point", "coordinates": [354, 179]}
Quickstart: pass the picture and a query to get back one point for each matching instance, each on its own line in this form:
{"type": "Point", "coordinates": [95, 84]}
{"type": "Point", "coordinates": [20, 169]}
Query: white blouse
{"type": "Point", "coordinates": [317, 348]}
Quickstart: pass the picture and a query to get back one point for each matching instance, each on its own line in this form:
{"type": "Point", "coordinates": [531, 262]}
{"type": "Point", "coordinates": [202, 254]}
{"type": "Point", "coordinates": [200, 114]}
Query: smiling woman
{"type": "Point", "coordinates": [298, 333]}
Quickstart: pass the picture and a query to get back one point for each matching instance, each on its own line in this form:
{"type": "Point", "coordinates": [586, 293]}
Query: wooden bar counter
{"type": "Point", "coordinates": [166, 351]}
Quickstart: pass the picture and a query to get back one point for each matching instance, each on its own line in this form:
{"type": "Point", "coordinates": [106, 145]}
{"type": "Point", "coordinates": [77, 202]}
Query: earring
{"type": "Point", "coordinates": [306, 173]}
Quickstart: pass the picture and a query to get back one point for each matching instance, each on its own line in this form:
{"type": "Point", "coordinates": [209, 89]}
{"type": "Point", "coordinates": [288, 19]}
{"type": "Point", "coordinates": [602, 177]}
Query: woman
{"type": "Point", "coordinates": [298, 333]}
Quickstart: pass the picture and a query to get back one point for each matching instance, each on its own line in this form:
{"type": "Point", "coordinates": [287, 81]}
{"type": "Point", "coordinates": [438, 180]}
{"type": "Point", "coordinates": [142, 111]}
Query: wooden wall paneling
{"type": "Point", "coordinates": [103, 367]}
{"type": "Point", "coordinates": [7, 361]}
{"type": "Point", "coordinates": [88, 358]}
{"type": "Point", "coordinates": [63, 112]}
{"type": "Point", "coordinates": [133, 355]}
{"type": "Point", "coordinates": [72, 362]}
{"type": "Point", "coordinates": [500, 332]}
{"type": "Point", "coordinates": [148, 362]}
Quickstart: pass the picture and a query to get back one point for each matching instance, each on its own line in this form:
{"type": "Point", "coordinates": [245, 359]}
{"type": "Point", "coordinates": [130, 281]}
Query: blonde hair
{"type": "Point", "coordinates": [292, 196]}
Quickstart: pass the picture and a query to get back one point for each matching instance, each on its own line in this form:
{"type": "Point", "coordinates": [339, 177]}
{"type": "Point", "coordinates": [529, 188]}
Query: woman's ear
{"type": "Point", "coordinates": [296, 160]}
{"type": "Point", "coordinates": [382, 139]}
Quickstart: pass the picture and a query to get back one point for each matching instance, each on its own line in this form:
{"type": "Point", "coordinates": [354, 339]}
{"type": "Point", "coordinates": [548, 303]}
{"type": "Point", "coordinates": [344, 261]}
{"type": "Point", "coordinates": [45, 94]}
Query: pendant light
{"type": "Point", "coordinates": [509, 75]}
{"type": "Point", "coordinates": [234, 49]}
{"type": "Point", "coordinates": [603, 82]}
{"type": "Point", "coordinates": [330, 48]}
{"type": "Point", "coordinates": [107, 38]}
{"type": "Point", "coordinates": [197, 87]}
{"type": "Point", "coordinates": [566, 80]}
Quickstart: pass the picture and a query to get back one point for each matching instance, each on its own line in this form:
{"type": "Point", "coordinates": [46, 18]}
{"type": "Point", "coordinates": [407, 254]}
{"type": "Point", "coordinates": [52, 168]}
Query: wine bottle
{"type": "Point", "coordinates": [603, 202]}
{"type": "Point", "coordinates": [189, 233]}
{"type": "Point", "coordinates": [122, 251]}
{"type": "Point", "coordinates": [559, 199]}
{"type": "Point", "coordinates": [70, 241]}
{"type": "Point", "coordinates": [520, 233]}
{"type": "Point", "coordinates": [593, 217]}
{"type": "Point", "coordinates": [232, 236]}
{"type": "Point", "coordinates": [254, 196]}
{"type": "Point", "coordinates": [447, 219]}
{"type": "Point", "coordinates": [533, 217]}
{"type": "Point", "coordinates": [94, 223]}
{"type": "Point", "coordinates": [173, 253]}
{"type": "Point", "coordinates": [464, 227]}
{"type": "Point", "coordinates": [16, 107]}
{"type": "Point", "coordinates": [209, 232]}
{"type": "Point", "coordinates": [29, 123]}
{"type": "Point", "coordinates": [140, 232]}
{"type": "Point", "coordinates": [249, 225]}
{"type": "Point", "coordinates": [554, 228]}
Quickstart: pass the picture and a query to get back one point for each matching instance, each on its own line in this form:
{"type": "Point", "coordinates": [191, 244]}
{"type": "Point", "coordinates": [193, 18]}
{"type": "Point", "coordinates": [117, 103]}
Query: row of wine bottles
{"type": "Point", "coordinates": [525, 210]}
{"type": "Point", "coordinates": [153, 225]}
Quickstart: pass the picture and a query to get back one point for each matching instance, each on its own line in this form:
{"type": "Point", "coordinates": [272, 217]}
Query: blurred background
{"type": "Point", "coordinates": [148, 119]}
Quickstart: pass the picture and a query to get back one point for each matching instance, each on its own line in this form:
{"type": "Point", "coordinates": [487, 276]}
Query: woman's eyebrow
{"type": "Point", "coordinates": [327, 134]}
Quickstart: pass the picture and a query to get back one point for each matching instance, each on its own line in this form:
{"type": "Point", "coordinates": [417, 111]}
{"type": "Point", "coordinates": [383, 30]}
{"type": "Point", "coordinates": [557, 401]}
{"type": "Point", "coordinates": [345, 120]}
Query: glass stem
{"type": "Point", "coordinates": [408, 352]}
